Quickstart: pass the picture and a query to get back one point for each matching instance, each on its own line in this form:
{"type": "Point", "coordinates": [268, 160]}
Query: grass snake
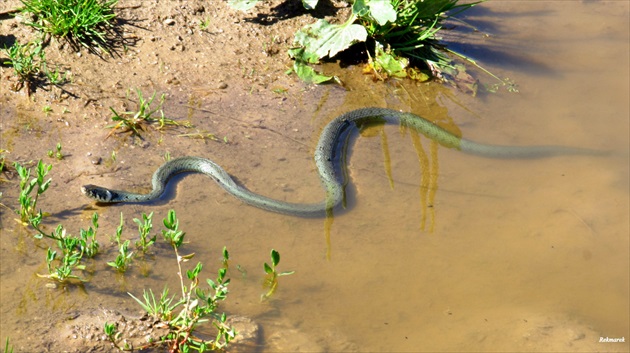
{"type": "Point", "coordinates": [327, 157]}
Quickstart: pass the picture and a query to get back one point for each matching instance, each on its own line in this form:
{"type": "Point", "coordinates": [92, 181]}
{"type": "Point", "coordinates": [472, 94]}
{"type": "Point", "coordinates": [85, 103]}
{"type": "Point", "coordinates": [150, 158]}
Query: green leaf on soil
{"type": "Point", "coordinates": [308, 74]}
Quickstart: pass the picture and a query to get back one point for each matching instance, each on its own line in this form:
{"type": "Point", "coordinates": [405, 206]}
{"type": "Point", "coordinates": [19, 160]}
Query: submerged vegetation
{"type": "Point", "coordinates": [271, 280]}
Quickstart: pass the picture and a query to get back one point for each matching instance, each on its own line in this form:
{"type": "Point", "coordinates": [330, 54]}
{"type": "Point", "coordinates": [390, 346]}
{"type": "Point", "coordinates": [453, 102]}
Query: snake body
{"type": "Point", "coordinates": [327, 156]}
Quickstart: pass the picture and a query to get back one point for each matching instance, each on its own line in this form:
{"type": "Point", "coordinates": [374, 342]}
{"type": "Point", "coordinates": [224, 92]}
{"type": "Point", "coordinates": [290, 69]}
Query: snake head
{"type": "Point", "coordinates": [97, 193]}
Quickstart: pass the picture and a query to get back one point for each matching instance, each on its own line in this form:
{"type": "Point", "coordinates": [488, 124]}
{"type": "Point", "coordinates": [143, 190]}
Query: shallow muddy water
{"type": "Point", "coordinates": [453, 252]}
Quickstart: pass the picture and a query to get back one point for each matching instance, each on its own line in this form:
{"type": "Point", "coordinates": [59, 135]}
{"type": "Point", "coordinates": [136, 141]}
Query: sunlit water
{"type": "Point", "coordinates": [454, 252]}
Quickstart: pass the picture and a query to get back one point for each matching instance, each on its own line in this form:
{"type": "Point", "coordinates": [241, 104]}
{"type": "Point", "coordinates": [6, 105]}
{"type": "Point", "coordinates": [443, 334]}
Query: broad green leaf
{"type": "Point", "coordinates": [382, 11]}
{"type": "Point", "coordinates": [300, 54]}
{"type": "Point", "coordinates": [267, 268]}
{"type": "Point", "coordinates": [308, 74]}
{"type": "Point", "coordinates": [360, 8]}
{"type": "Point", "coordinates": [275, 257]}
{"type": "Point", "coordinates": [243, 5]}
{"type": "Point", "coordinates": [393, 65]}
{"type": "Point", "coordinates": [309, 4]}
{"type": "Point", "coordinates": [324, 39]}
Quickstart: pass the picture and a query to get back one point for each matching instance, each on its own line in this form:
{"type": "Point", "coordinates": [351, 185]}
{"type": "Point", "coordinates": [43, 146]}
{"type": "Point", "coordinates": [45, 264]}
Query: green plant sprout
{"type": "Point", "coordinates": [226, 258]}
{"type": "Point", "coordinates": [30, 67]}
{"type": "Point", "coordinates": [8, 348]}
{"type": "Point", "coordinates": [56, 154]}
{"type": "Point", "coordinates": [159, 310]}
{"type": "Point", "coordinates": [117, 237]}
{"type": "Point", "coordinates": [123, 259]}
{"type": "Point", "coordinates": [125, 256]}
{"type": "Point", "coordinates": [73, 249]}
{"type": "Point", "coordinates": [88, 243]}
{"type": "Point", "coordinates": [111, 331]}
{"type": "Point", "coordinates": [55, 77]}
{"type": "Point", "coordinates": [134, 122]}
{"type": "Point", "coordinates": [144, 228]}
{"type": "Point", "coordinates": [113, 335]}
{"type": "Point", "coordinates": [203, 24]}
{"type": "Point", "coordinates": [3, 161]}
{"type": "Point", "coordinates": [47, 109]}
{"type": "Point", "coordinates": [84, 22]}
{"type": "Point", "coordinates": [28, 203]}
{"type": "Point", "coordinates": [26, 61]}
{"type": "Point", "coordinates": [271, 279]}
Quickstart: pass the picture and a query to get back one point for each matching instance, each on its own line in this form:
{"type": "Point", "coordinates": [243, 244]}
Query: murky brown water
{"type": "Point", "coordinates": [471, 254]}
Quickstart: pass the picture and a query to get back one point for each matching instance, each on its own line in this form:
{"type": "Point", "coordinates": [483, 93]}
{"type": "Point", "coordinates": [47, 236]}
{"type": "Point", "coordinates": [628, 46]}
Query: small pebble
{"type": "Point", "coordinates": [169, 21]}
{"type": "Point", "coordinates": [223, 85]}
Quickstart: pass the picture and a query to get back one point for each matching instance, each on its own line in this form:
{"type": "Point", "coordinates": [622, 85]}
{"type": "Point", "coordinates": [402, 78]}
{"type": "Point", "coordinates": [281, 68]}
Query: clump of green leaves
{"type": "Point", "coordinates": [161, 309]}
{"type": "Point", "coordinates": [26, 60]}
{"type": "Point", "coordinates": [397, 33]}
{"type": "Point", "coordinates": [144, 228]}
{"type": "Point", "coordinates": [124, 257]}
{"type": "Point", "coordinates": [196, 304]}
{"type": "Point", "coordinates": [271, 279]}
{"type": "Point", "coordinates": [137, 121]}
{"type": "Point", "coordinates": [57, 154]}
{"type": "Point", "coordinates": [410, 26]}
{"type": "Point", "coordinates": [28, 186]}
{"type": "Point", "coordinates": [405, 28]}
{"type": "Point", "coordinates": [81, 22]}
{"type": "Point", "coordinates": [30, 66]}
{"type": "Point", "coordinates": [73, 249]}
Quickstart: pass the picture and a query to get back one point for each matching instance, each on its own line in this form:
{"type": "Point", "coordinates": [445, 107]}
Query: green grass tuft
{"type": "Point", "coordinates": [84, 22]}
